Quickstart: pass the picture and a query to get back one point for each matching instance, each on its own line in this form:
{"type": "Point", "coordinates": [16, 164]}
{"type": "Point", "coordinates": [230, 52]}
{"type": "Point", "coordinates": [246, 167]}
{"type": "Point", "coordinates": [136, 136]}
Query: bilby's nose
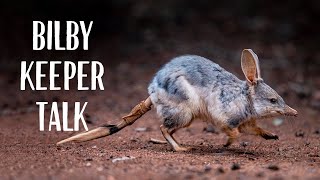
{"type": "Point", "coordinates": [290, 111]}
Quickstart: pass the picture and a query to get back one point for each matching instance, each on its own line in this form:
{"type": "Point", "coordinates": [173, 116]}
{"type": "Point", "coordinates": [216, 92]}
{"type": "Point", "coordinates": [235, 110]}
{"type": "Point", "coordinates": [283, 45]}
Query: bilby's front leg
{"type": "Point", "coordinates": [250, 127]}
{"type": "Point", "coordinates": [232, 133]}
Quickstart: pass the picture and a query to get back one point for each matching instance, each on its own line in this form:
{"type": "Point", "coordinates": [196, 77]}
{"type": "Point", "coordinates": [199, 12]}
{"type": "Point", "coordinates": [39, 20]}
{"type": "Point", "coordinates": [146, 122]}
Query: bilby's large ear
{"type": "Point", "coordinates": [250, 66]}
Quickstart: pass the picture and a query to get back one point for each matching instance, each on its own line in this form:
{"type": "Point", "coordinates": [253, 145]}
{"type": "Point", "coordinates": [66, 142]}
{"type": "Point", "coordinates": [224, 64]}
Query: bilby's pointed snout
{"type": "Point", "coordinates": [290, 111]}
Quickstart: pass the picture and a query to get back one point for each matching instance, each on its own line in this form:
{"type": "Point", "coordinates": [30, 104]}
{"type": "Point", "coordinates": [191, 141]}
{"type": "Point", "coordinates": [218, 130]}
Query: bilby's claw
{"type": "Point", "coordinates": [181, 149]}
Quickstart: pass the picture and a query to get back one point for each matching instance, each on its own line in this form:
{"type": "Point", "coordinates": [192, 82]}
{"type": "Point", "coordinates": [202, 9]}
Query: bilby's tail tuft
{"type": "Point", "coordinates": [106, 130]}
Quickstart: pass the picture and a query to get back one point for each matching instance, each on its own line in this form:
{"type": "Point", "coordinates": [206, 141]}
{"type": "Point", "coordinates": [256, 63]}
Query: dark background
{"type": "Point", "coordinates": [124, 27]}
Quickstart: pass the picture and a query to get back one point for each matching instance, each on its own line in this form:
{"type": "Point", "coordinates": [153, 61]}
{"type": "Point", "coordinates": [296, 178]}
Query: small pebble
{"type": "Point", "coordinates": [88, 164]}
{"type": "Point", "coordinates": [244, 144]}
{"type": "Point", "coordinates": [207, 168]}
{"type": "Point", "coordinates": [235, 166]}
{"type": "Point", "coordinates": [133, 139]}
{"type": "Point", "coordinates": [123, 158]}
{"type": "Point", "coordinates": [220, 170]}
{"type": "Point", "coordinates": [88, 159]}
{"type": "Point", "coordinates": [299, 133]}
{"type": "Point", "coordinates": [141, 129]}
{"type": "Point", "coordinates": [317, 131]}
{"type": "Point", "coordinates": [273, 167]}
{"type": "Point", "coordinates": [100, 168]}
{"type": "Point", "coordinates": [101, 154]}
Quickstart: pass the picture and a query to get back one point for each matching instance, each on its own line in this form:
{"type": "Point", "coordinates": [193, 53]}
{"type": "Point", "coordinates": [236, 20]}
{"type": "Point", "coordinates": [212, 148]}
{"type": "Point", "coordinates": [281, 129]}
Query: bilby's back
{"type": "Point", "coordinates": [192, 86]}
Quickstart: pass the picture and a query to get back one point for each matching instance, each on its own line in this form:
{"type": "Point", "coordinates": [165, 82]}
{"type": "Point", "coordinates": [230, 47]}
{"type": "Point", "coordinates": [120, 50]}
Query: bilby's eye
{"type": "Point", "coordinates": [273, 100]}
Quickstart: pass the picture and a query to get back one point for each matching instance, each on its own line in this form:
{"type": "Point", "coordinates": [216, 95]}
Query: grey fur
{"type": "Point", "coordinates": [191, 86]}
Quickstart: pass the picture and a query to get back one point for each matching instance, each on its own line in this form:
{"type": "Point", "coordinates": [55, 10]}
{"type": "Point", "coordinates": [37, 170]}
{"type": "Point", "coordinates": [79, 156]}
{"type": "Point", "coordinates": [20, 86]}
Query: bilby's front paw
{"type": "Point", "coordinates": [229, 142]}
{"type": "Point", "coordinates": [270, 136]}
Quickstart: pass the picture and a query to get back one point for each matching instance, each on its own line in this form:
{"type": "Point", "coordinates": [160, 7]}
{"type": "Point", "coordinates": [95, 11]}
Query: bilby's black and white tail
{"type": "Point", "coordinates": [106, 130]}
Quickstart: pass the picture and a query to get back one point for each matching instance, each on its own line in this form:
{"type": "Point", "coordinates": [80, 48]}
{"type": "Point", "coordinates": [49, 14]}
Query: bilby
{"type": "Point", "coordinates": [192, 87]}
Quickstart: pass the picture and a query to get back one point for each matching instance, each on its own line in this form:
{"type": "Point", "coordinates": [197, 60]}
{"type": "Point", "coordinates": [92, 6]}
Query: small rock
{"type": "Point", "coordinates": [273, 167]}
{"type": "Point", "coordinates": [244, 144]}
{"type": "Point", "coordinates": [299, 133]}
{"type": "Point", "coordinates": [123, 158]}
{"type": "Point", "coordinates": [207, 168]}
{"type": "Point", "coordinates": [277, 121]}
{"type": "Point", "coordinates": [141, 129]}
{"type": "Point", "coordinates": [220, 170]}
{"type": "Point", "coordinates": [88, 159]}
{"type": "Point", "coordinates": [88, 164]}
{"type": "Point", "coordinates": [235, 166]}
{"type": "Point", "coordinates": [101, 155]}
{"type": "Point", "coordinates": [317, 131]}
{"type": "Point", "coordinates": [94, 147]}
{"type": "Point", "coordinates": [100, 168]}
{"type": "Point", "coordinates": [132, 139]}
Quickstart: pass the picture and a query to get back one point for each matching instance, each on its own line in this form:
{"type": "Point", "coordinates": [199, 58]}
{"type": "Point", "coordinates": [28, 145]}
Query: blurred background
{"type": "Point", "coordinates": [134, 38]}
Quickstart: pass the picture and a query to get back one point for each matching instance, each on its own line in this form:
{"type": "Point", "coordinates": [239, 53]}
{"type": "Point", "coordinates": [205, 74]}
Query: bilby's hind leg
{"type": "Point", "coordinates": [232, 133]}
{"type": "Point", "coordinates": [250, 127]}
{"type": "Point", "coordinates": [168, 136]}
{"type": "Point", "coordinates": [174, 116]}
